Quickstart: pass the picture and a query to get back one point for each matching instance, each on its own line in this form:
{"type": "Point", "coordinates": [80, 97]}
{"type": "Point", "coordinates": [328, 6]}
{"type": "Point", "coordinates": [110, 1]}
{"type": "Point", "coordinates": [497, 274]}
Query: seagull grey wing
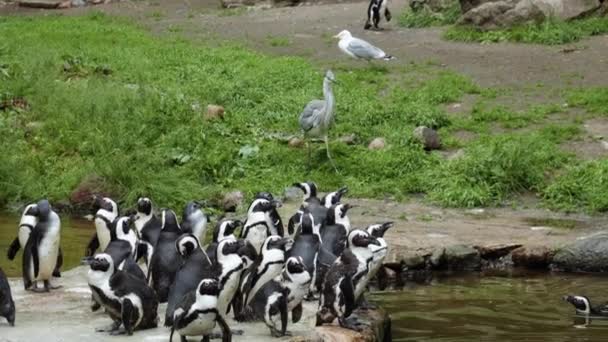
{"type": "Point", "coordinates": [310, 116]}
{"type": "Point", "coordinates": [365, 50]}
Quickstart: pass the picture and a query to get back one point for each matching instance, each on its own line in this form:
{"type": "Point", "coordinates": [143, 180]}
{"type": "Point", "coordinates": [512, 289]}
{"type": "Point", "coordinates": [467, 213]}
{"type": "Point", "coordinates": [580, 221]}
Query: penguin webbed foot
{"type": "Point", "coordinates": [120, 331]}
{"type": "Point", "coordinates": [39, 289]}
{"type": "Point", "coordinates": [278, 333]}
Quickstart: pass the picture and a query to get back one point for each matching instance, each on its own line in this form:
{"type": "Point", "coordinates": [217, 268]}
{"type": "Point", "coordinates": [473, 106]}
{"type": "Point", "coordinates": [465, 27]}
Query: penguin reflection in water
{"type": "Point", "coordinates": [128, 300]}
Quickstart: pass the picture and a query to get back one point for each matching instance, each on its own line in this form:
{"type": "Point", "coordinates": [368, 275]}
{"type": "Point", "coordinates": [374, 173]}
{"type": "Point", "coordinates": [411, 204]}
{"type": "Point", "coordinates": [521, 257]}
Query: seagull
{"type": "Point", "coordinates": [359, 48]}
{"type": "Point", "coordinates": [318, 116]}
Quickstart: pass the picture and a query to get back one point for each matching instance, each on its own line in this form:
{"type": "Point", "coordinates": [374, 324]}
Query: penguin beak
{"type": "Point", "coordinates": [347, 207]}
{"type": "Point", "coordinates": [284, 242]}
{"type": "Point", "coordinates": [342, 190]}
{"type": "Point", "coordinates": [87, 260]}
{"type": "Point", "coordinates": [276, 203]}
{"type": "Point", "coordinates": [386, 226]}
{"type": "Point", "coordinates": [373, 241]}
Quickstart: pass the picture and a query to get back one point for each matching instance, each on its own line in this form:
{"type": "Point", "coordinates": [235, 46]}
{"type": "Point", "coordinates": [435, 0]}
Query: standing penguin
{"type": "Point", "coordinates": [195, 266]}
{"type": "Point", "coordinates": [380, 251]}
{"type": "Point", "coordinates": [42, 248]}
{"type": "Point", "coordinates": [106, 211]}
{"type": "Point", "coordinates": [229, 268]}
{"type": "Point", "coordinates": [197, 313]}
{"type": "Point", "coordinates": [7, 305]}
{"type": "Point", "coordinates": [165, 260]}
{"type": "Point", "coordinates": [317, 207]}
{"type": "Point", "coordinates": [269, 265]}
{"type": "Point", "coordinates": [279, 296]}
{"type": "Point", "coordinates": [307, 244]}
{"type": "Point", "coordinates": [148, 228]}
{"type": "Point", "coordinates": [333, 198]}
{"type": "Point", "coordinates": [224, 229]}
{"type": "Point", "coordinates": [123, 246]}
{"type": "Point", "coordinates": [127, 299]}
{"type": "Point", "coordinates": [374, 12]}
{"type": "Point", "coordinates": [359, 242]}
{"type": "Point", "coordinates": [335, 232]}
{"type": "Point", "coordinates": [194, 221]}
{"type": "Point", "coordinates": [278, 228]}
{"type": "Point", "coordinates": [26, 225]}
{"type": "Point", "coordinates": [259, 225]}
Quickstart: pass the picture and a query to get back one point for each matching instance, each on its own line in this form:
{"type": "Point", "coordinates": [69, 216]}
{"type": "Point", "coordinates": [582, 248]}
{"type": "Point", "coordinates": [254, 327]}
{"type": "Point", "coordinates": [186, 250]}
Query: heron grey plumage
{"type": "Point", "coordinates": [318, 116]}
{"type": "Point", "coordinates": [359, 48]}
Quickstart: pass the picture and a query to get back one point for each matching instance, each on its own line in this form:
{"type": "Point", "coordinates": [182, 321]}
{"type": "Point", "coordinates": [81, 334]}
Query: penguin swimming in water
{"type": "Point", "coordinates": [374, 13]}
{"type": "Point", "coordinates": [278, 228]}
{"type": "Point", "coordinates": [224, 229]}
{"type": "Point", "coordinates": [335, 232]}
{"type": "Point", "coordinates": [128, 300]}
{"type": "Point", "coordinates": [148, 227]}
{"type": "Point", "coordinates": [165, 260]}
{"type": "Point", "coordinates": [197, 313]}
{"type": "Point", "coordinates": [42, 248]}
{"type": "Point", "coordinates": [583, 306]}
{"type": "Point", "coordinates": [269, 265]}
{"type": "Point", "coordinates": [7, 305]}
{"type": "Point", "coordinates": [26, 225]}
{"type": "Point", "coordinates": [259, 225]}
{"type": "Point", "coordinates": [106, 212]}
{"type": "Point", "coordinates": [194, 221]}
{"type": "Point", "coordinates": [281, 295]}
{"type": "Point", "coordinates": [307, 244]}
{"type": "Point", "coordinates": [194, 267]}
{"type": "Point", "coordinates": [229, 268]}
{"type": "Point", "coordinates": [378, 252]}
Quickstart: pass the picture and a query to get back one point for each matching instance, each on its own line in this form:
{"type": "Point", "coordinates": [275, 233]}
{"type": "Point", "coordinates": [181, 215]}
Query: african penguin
{"type": "Point", "coordinates": [333, 198]}
{"type": "Point", "coordinates": [307, 244]}
{"type": "Point", "coordinates": [269, 265]}
{"type": "Point", "coordinates": [359, 242]}
{"type": "Point", "coordinates": [26, 225]}
{"type": "Point", "coordinates": [223, 229]}
{"type": "Point", "coordinates": [259, 224]}
{"type": "Point", "coordinates": [281, 295]}
{"type": "Point", "coordinates": [106, 211]}
{"type": "Point", "coordinates": [310, 201]}
{"type": "Point", "coordinates": [197, 313]}
{"type": "Point", "coordinates": [165, 260]}
{"type": "Point", "coordinates": [583, 306]}
{"type": "Point", "coordinates": [374, 13]}
{"type": "Point", "coordinates": [229, 268]}
{"type": "Point", "coordinates": [194, 221]}
{"type": "Point", "coordinates": [7, 305]}
{"type": "Point", "coordinates": [42, 248]}
{"type": "Point", "coordinates": [148, 227]}
{"type": "Point", "coordinates": [274, 214]}
{"type": "Point", "coordinates": [123, 246]}
{"type": "Point", "coordinates": [128, 300]}
{"type": "Point", "coordinates": [378, 252]}
{"type": "Point", "coordinates": [335, 232]}
{"type": "Point", "coordinates": [195, 266]}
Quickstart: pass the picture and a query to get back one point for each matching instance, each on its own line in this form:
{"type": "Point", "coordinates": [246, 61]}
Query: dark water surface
{"type": "Point", "coordinates": [473, 308]}
{"type": "Point", "coordinates": [75, 235]}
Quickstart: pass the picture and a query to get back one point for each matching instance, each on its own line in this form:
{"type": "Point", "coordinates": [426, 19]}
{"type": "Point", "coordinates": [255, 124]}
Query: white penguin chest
{"type": "Point", "coordinates": [103, 233]}
{"type": "Point", "coordinates": [48, 250]}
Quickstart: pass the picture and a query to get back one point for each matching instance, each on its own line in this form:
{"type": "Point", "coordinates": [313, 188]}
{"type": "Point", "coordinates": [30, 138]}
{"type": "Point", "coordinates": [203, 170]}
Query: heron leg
{"type": "Point", "coordinates": [328, 155]}
{"type": "Point", "coordinates": [309, 166]}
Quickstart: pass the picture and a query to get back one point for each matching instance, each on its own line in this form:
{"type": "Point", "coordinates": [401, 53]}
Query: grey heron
{"type": "Point", "coordinates": [359, 48]}
{"type": "Point", "coordinates": [318, 116]}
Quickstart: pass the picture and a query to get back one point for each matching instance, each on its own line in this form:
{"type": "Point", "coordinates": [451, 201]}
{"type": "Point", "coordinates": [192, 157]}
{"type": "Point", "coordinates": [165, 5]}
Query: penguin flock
{"type": "Point", "coordinates": [249, 270]}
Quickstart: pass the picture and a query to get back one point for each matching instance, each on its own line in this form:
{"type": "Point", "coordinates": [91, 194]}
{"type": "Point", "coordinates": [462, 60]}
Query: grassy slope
{"type": "Point", "coordinates": [140, 127]}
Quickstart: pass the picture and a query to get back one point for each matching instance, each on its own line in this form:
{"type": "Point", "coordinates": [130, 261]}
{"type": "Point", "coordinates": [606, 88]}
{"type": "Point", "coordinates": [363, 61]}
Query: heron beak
{"type": "Point", "coordinates": [336, 36]}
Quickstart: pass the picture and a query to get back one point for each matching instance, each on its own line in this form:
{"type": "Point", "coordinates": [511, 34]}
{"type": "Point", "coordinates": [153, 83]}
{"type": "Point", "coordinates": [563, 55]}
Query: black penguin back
{"type": "Point", "coordinates": [7, 305]}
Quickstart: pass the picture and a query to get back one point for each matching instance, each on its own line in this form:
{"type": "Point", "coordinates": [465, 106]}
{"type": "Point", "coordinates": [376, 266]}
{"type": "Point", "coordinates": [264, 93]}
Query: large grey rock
{"type": "Point", "coordinates": [467, 5]}
{"type": "Point", "coordinates": [586, 255]}
{"type": "Point", "coordinates": [567, 9]}
{"type": "Point", "coordinates": [456, 258]}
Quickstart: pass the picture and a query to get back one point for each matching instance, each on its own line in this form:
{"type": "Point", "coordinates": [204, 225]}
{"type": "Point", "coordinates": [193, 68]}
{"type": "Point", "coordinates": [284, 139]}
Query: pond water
{"type": "Point", "coordinates": [75, 235]}
{"type": "Point", "coordinates": [474, 308]}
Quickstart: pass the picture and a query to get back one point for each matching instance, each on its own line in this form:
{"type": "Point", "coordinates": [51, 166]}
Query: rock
{"type": "Point", "coordinates": [428, 137]}
{"type": "Point", "coordinates": [567, 9]}
{"type": "Point", "coordinates": [232, 200]}
{"type": "Point", "coordinates": [375, 325]}
{"type": "Point", "coordinates": [496, 251]}
{"type": "Point", "coordinates": [48, 4]}
{"type": "Point", "coordinates": [377, 144]}
{"type": "Point", "coordinates": [433, 5]}
{"type": "Point", "coordinates": [78, 3]}
{"type": "Point", "coordinates": [237, 3]}
{"type": "Point", "coordinates": [467, 5]}
{"type": "Point", "coordinates": [292, 194]}
{"type": "Point", "coordinates": [415, 262]}
{"type": "Point", "coordinates": [461, 258]}
{"type": "Point", "coordinates": [538, 257]}
{"type": "Point", "coordinates": [295, 142]}
{"type": "Point", "coordinates": [437, 259]}
{"type": "Point", "coordinates": [81, 198]}
{"type": "Point", "coordinates": [349, 139]}
{"type": "Point", "coordinates": [65, 4]}
{"type": "Point", "coordinates": [214, 112]}
{"type": "Point", "coordinates": [586, 255]}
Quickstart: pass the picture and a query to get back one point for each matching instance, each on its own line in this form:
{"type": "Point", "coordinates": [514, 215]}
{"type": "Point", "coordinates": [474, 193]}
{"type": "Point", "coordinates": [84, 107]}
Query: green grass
{"type": "Point", "coordinates": [107, 100]}
{"type": "Point", "coordinates": [278, 41]}
{"type": "Point", "coordinates": [425, 17]}
{"type": "Point", "coordinates": [549, 32]}
{"type": "Point", "coordinates": [594, 100]}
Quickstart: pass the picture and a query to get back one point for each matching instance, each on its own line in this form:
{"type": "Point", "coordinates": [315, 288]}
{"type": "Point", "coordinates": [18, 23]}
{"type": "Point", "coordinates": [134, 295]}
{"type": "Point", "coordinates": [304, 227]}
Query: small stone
{"type": "Point", "coordinates": [65, 4]}
{"type": "Point", "coordinates": [214, 112]}
{"type": "Point", "coordinates": [377, 144]}
{"type": "Point", "coordinates": [232, 200]}
{"type": "Point", "coordinates": [428, 137]}
{"type": "Point", "coordinates": [349, 139]}
{"type": "Point", "coordinates": [295, 142]}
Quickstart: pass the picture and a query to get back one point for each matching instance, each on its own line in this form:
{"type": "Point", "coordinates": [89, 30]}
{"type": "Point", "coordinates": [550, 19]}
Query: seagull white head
{"type": "Point", "coordinates": [343, 34]}
{"type": "Point", "coordinates": [329, 75]}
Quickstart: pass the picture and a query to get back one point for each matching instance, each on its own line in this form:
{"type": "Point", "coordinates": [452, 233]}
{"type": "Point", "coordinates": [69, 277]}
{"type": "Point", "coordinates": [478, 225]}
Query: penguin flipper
{"type": "Point", "coordinates": [348, 291]}
{"type": "Point", "coordinates": [291, 225]}
{"type": "Point", "coordinates": [226, 333]}
{"type": "Point", "coordinates": [13, 249]}
{"type": "Point", "coordinates": [92, 246]}
{"type": "Point", "coordinates": [284, 313]}
{"type": "Point", "coordinates": [57, 271]}
{"type": "Point", "coordinates": [129, 315]}
{"type": "Point", "coordinates": [296, 313]}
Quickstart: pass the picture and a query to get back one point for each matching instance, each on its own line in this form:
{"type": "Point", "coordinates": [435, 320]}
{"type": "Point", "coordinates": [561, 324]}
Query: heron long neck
{"type": "Point", "coordinates": [329, 98]}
